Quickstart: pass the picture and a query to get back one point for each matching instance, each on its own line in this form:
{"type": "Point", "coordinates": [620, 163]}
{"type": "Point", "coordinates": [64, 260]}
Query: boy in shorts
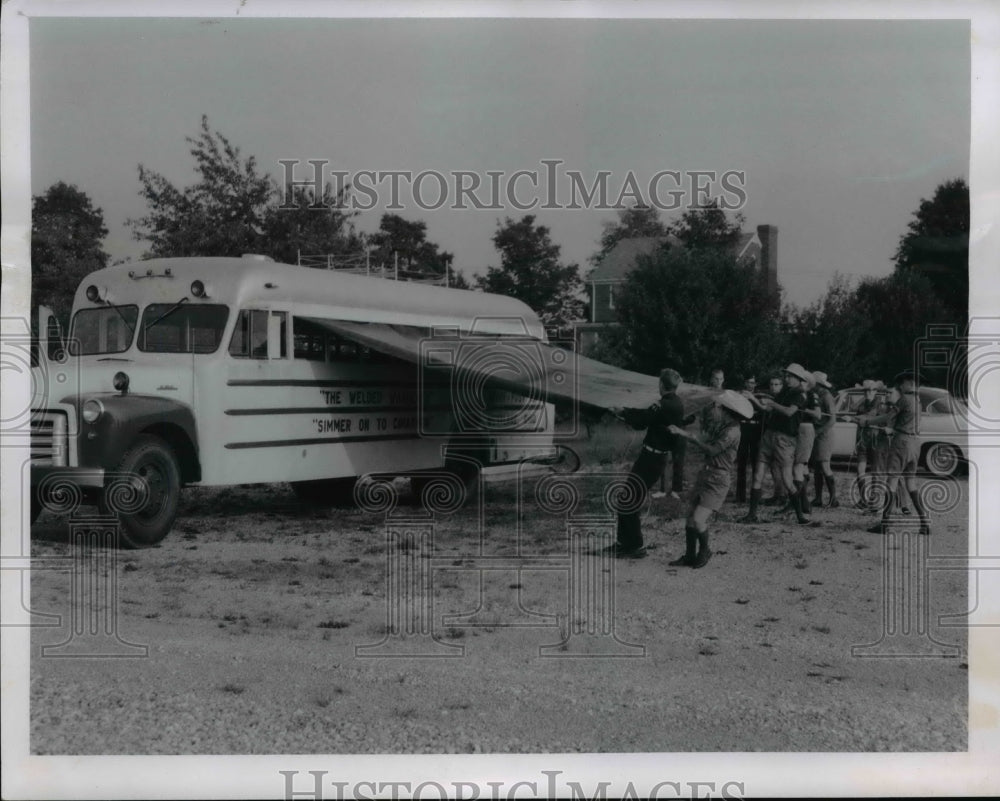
{"type": "Point", "coordinates": [903, 418]}
{"type": "Point", "coordinates": [822, 451]}
{"type": "Point", "coordinates": [779, 442]}
{"type": "Point", "coordinates": [720, 441]}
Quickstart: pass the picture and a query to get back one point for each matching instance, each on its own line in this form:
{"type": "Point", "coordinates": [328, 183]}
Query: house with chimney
{"type": "Point", "coordinates": [758, 249]}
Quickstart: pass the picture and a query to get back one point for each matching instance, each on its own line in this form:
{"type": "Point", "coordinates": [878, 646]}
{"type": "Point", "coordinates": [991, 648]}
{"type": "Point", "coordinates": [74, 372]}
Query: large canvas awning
{"type": "Point", "coordinates": [517, 364]}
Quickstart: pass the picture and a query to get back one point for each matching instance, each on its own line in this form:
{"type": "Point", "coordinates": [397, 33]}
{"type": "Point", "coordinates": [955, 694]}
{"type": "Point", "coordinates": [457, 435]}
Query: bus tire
{"type": "Point", "coordinates": [326, 492]}
{"type": "Point", "coordinates": [151, 462]}
{"type": "Point", "coordinates": [466, 473]}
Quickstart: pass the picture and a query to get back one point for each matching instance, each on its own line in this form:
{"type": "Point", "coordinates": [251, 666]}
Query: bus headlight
{"type": "Point", "coordinates": [120, 382]}
{"type": "Point", "coordinates": [198, 289]}
{"type": "Point", "coordinates": [92, 410]}
{"type": "Point", "coordinates": [93, 293]}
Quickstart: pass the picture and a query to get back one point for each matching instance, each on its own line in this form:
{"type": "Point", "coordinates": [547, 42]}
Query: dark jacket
{"type": "Point", "coordinates": [669, 411]}
{"type": "Point", "coordinates": [779, 422]}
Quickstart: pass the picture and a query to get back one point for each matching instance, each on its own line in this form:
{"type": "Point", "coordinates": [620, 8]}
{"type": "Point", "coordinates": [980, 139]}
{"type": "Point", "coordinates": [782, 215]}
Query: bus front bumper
{"type": "Point", "coordinates": [53, 475]}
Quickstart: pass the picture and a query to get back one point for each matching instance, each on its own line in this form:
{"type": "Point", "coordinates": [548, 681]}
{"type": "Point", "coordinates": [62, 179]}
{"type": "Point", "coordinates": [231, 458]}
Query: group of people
{"type": "Point", "coordinates": [788, 432]}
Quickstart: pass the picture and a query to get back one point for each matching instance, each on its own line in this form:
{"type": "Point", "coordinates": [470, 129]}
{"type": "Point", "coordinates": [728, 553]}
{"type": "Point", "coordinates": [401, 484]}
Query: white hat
{"type": "Point", "coordinates": [869, 383]}
{"type": "Point", "coordinates": [820, 378]}
{"type": "Point", "coordinates": [735, 402]}
{"type": "Point", "coordinates": [799, 372]}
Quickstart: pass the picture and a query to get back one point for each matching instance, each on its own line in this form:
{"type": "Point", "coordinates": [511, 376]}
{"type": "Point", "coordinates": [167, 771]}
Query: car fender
{"type": "Point", "coordinates": [104, 442]}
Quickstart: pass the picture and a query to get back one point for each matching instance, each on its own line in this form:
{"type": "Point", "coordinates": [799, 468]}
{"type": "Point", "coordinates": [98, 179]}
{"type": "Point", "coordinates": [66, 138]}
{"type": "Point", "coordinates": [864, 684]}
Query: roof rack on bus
{"type": "Point", "coordinates": [361, 264]}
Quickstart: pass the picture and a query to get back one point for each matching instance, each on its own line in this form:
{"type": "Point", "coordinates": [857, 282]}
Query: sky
{"type": "Point", "coordinates": [840, 127]}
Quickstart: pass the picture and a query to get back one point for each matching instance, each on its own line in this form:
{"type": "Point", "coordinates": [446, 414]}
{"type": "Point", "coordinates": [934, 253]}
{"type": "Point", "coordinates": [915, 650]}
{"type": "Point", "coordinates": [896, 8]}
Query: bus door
{"type": "Point", "coordinates": [255, 417]}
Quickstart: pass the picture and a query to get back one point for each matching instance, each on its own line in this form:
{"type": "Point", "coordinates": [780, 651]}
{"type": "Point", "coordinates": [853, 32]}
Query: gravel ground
{"type": "Point", "coordinates": [253, 607]}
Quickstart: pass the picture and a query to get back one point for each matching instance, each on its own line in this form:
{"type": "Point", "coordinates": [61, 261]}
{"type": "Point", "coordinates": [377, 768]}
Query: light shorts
{"type": "Point", "coordinates": [804, 443]}
{"type": "Point", "coordinates": [711, 488]}
{"type": "Point", "coordinates": [776, 448]}
{"type": "Point", "coordinates": [903, 452]}
{"type": "Point", "coordinates": [823, 445]}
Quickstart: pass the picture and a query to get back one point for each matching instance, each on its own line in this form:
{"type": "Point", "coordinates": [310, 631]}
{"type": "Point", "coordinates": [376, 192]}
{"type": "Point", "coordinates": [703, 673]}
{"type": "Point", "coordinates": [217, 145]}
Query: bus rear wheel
{"type": "Point", "coordinates": [465, 476]}
{"type": "Point", "coordinates": [326, 492]}
{"type": "Point", "coordinates": [144, 492]}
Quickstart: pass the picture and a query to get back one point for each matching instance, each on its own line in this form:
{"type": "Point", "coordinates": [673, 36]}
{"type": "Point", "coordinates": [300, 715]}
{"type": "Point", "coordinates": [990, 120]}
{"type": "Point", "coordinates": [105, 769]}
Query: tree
{"type": "Point", "coordinates": [936, 247]}
{"type": "Point", "coordinates": [707, 226]}
{"type": "Point", "coordinates": [66, 236]}
{"type": "Point", "coordinates": [695, 309]}
{"type": "Point", "coordinates": [311, 227]}
{"type": "Point", "coordinates": [220, 215]}
{"type": "Point", "coordinates": [899, 309]}
{"type": "Point", "coordinates": [234, 208]}
{"type": "Point", "coordinates": [835, 335]}
{"type": "Point", "coordinates": [405, 241]}
{"type": "Point", "coordinates": [632, 222]}
{"type": "Point", "coordinates": [530, 271]}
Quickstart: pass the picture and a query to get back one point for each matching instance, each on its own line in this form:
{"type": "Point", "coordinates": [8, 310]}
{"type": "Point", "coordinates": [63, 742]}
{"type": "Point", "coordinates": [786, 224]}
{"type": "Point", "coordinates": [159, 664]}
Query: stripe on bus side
{"type": "Point", "coordinates": [280, 443]}
{"type": "Point", "coordinates": [331, 382]}
{"type": "Point", "coordinates": [437, 407]}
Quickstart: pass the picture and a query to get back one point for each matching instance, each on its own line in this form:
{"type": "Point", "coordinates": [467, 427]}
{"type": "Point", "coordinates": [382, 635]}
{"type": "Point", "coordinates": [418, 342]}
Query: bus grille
{"type": "Point", "coordinates": [48, 438]}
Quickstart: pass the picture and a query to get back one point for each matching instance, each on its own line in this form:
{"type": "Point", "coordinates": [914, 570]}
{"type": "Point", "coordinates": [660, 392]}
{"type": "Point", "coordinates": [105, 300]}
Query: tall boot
{"type": "Point", "coordinates": [804, 494]}
{"type": "Point", "coordinates": [704, 554]}
{"type": "Point", "coordinates": [796, 500]}
{"type": "Point", "coordinates": [925, 523]}
{"type": "Point", "coordinates": [796, 492]}
{"type": "Point", "coordinates": [751, 516]}
{"type": "Point", "coordinates": [831, 487]}
{"type": "Point", "coordinates": [691, 537]}
{"type": "Point", "coordinates": [882, 526]}
{"type": "Point", "coordinates": [901, 496]}
{"type": "Point", "coordinates": [741, 482]}
{"type": "Point", "coordinates": [818, 500]}
{"type": "Point", "coordinates": [862, 485]}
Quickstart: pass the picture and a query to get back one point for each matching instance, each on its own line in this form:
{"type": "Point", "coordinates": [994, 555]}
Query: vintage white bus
{"type": "Point", "coordinates": [220, 371]}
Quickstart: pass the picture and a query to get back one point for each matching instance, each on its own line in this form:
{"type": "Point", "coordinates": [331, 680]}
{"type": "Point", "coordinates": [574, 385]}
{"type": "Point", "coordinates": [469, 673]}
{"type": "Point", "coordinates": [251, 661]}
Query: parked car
{"type": "Point", "coordinates": [943, 428]}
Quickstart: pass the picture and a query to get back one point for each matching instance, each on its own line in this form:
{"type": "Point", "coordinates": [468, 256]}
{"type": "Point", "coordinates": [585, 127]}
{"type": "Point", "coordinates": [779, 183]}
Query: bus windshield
{"type": "Point", "coordinates": [107, 329]}
{"type": "Point", "coordinates": [182, 327]}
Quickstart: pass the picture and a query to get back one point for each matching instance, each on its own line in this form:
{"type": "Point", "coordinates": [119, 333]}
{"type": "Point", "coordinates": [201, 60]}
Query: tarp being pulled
{"type": "Point", "coordinates": [518, 364]}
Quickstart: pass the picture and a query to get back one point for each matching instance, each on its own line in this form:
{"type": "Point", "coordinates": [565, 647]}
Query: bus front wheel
{"type": "Point", "coordinates": [144, 492]}
{"type": "Point", "coordinates": [35, 503]}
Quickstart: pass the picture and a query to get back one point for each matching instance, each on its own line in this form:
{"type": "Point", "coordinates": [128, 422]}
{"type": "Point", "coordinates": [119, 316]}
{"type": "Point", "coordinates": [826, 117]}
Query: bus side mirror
{"type": "Point", "coordinates": [50, 334]}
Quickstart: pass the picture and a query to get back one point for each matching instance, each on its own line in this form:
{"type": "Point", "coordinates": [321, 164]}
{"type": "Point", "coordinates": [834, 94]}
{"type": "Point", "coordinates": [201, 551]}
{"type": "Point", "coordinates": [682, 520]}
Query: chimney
{"type": "Point", "coordinates": [769, 255]}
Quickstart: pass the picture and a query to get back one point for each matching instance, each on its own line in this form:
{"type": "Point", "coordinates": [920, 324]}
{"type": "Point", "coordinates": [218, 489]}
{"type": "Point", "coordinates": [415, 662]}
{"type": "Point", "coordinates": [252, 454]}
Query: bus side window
{"type": "Point", "coordinates": [341, 350]}
{"type": "Point", "coordinates": [308, 341]}
{"type": "Point", "coordinates": [251, 335]}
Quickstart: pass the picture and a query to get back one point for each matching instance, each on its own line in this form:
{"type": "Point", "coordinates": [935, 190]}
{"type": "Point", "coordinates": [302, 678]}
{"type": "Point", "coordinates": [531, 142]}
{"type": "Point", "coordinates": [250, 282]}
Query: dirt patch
{"type": "Point", "coordinates": [274, 628]}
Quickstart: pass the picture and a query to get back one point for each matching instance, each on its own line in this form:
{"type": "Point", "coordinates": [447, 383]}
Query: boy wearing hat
{"type": "Point", "coordinates": [903, 418]}
{"type": "Point", "coordinates": [750, 434]}
{"type": "Point", "coordinates": [659, 421]}
{"type": "Point", "coordinates": [822, 450]}
{"type": "Point", "coordinates": [780, 496]}
{"type": "Point", "coordinates": [783, 425]}
{"type": "Point", "coordinates": [805, 438]}
{"type": "Point", "coordinates": [720, 440]}
{"type": "Point", "coordinates": [871, 444]}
